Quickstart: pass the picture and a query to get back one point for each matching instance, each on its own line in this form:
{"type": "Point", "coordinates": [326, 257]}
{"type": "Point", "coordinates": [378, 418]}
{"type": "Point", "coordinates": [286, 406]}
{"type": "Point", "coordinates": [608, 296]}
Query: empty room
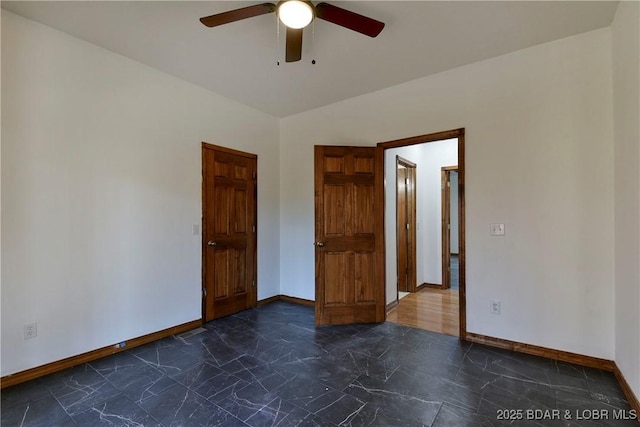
{"type": "Point", "coordinates": [211, 213]}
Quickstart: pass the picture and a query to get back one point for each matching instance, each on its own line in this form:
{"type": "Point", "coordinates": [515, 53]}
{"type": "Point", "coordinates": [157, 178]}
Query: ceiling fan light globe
{"type": "Point", "coordinates": [295, 14]}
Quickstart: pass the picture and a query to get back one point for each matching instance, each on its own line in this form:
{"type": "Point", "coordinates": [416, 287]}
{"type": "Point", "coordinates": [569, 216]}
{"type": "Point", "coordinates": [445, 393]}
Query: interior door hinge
{"type": "Point", "coordinates": [254, 228]}
{"type": "Point", "coordinates": [407, 226]}
{"type": "Point", "coordinates": [204, 292]}
{"type": "Point", "coordinates": [254, 283]}
{"type": "Point", "coordinates": [254, 175]}
{"type": "Point", "coordinates": [406, 182]}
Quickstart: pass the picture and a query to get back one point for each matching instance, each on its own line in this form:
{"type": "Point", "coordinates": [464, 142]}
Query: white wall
{"type": "Point", "coordinates": [435, 155]}
{"type": "Point", "coordinates": [101, 184]}
{"type": "Point", "coordinates": [541, 116]}
{"type": "Point", "coordinates": [429, 159]}
{"type": "Point", "coordinates": [626, 109]}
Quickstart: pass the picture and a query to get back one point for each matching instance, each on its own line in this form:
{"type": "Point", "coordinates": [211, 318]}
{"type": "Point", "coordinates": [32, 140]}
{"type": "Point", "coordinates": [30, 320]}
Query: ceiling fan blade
{"type": "Point", "coordinates": [351, 20]}
{"type": "Point", "coordinates": [238, 14]}
{"type": "Point", "coordinates": [294, 45]}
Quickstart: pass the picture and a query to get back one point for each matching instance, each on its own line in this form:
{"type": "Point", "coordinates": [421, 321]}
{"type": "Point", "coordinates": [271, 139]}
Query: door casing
{"type": "Point", "coordinates": [440, 136]}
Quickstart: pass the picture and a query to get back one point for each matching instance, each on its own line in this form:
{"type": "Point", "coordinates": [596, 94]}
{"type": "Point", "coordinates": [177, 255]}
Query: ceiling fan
{"type": "Point", "coordinates": [297, 14]}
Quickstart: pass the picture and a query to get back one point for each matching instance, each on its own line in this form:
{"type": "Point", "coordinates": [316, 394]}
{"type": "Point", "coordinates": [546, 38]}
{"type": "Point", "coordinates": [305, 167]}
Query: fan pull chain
{"type": "Point", "coordinates": [277, 40]}
{"type": "Point", "coordinates": [313, 41]}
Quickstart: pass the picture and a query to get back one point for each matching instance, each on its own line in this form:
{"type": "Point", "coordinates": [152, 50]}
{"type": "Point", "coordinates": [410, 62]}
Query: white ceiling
{"type": "Point", "coordinates": [238, 60]}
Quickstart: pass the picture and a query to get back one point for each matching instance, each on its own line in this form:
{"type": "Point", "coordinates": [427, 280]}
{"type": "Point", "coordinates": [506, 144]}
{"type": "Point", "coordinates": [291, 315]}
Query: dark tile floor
{"type": "Point", "coordinates": [272, 367]}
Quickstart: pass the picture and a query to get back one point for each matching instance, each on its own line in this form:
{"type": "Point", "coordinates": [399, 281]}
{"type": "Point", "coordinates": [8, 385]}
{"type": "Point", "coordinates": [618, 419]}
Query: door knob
{"type": "Point", "coordinates": [319, 244]}
{"type": "Point", "coordinates": [211, 243]}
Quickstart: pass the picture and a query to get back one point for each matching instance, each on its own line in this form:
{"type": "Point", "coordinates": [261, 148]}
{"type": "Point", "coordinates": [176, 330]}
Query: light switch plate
{"type": "Point", "coordinates": [497, 229]}
{"type": "Point", "coordinates": [495, 307]}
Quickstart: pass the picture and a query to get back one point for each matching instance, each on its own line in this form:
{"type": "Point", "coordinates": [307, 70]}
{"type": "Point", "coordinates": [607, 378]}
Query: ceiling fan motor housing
{"type": "Point", "coordinates": [295, 14]}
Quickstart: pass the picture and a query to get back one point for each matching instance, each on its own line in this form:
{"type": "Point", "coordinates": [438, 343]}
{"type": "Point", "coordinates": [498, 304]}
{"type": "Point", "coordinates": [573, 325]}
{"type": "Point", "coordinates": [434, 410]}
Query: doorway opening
{"type": "Point", "coordinates": [437, 297]}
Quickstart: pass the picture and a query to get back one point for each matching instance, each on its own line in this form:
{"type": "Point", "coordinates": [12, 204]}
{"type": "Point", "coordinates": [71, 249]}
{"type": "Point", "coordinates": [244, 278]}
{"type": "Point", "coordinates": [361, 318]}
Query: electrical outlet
{"type": "Point", "coordinates": [30, 330]}
{"type": "Point", "coordinates": [495, 307]}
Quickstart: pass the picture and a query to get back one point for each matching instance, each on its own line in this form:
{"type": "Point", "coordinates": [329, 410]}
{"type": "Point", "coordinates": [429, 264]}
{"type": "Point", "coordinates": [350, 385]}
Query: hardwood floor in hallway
{"type": "Point", "coordinates": [431, 309]}
{"type": "Point", "coordinates": [435, 310]}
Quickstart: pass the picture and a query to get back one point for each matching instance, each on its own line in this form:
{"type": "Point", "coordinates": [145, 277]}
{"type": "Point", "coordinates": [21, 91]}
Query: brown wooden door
{"type": "Point", "coordinates": [406, 224]}
{"type": "Point", "coordinates": [229, 231]}
{"type": "Point", "coordinates": [446, 224]}
{"type": "Point", "coordinates": [401, 229]}
{"type": "Point", "coordinates": [349, 235]}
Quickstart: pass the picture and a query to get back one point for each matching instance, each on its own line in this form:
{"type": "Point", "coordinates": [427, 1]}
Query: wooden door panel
{"type": "Point", "coordinates": [230, 269]}
{"type": "Point", "coordinates": [239, 271]}
{"type": "Point", "coordinates": [335, 264]}
{"type": "Point", "coordinates": [240, 212]}
{"type": "Point", "coordinates": [363, 164]}
{"type": "Point", "coordinates": [229, 231]}
{"type": "Point", "coordinates": [334, 201]}
{"type": "Point", "coordinates": [221, 169]}
{"type": "Point", "coordinates": [363, 207]}
{"type": "Point", "coordinates": [349, 280]}
{"type": "Point", "coordinates": [364, 270]}
{"type": "Point", "coordinates": [221, 274]}
{"type": "Point", "coordinates": [241, 172]}
{"type": "Point", "coordinates": [333, 164]}
{"type": "Point", "coordinates": [221, 206]}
